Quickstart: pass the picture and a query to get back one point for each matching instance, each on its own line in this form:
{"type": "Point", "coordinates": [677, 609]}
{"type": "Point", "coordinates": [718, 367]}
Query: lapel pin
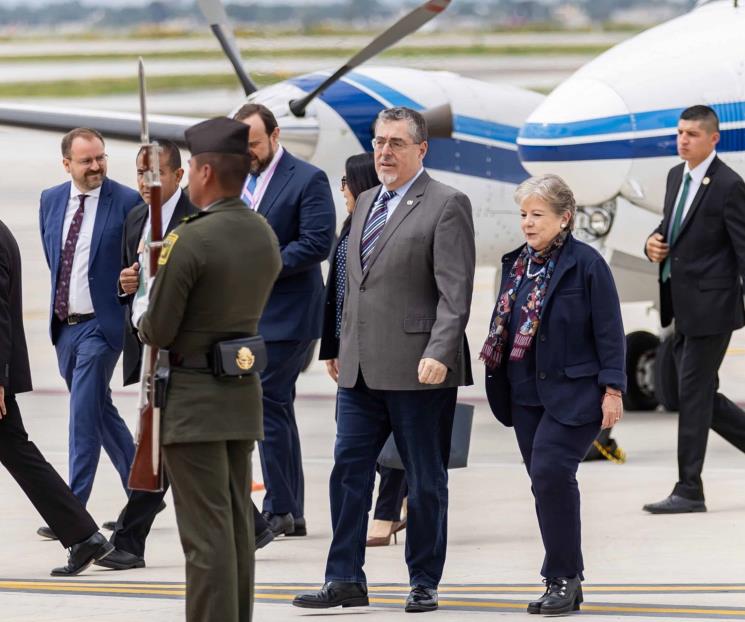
{"type": "Point", "coordinates": [705, 181]}
{"type": "Point", "coordinates": [409, 202]}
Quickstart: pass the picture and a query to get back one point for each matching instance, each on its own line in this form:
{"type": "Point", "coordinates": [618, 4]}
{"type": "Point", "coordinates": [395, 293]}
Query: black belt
{"type": "Point", "coordinates": [201, 362]}
{"type": "Point", "coordinates": [78, 318]}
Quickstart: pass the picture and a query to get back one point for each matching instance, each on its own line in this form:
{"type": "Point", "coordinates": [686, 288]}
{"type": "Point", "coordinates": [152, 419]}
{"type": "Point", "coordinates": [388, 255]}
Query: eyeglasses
{"type": "Point", "coordinates": [343, 182]}
{"type": "Point", "coordinates": [89, 161]}
{"type": "Point", "coordinates": [394, 144]}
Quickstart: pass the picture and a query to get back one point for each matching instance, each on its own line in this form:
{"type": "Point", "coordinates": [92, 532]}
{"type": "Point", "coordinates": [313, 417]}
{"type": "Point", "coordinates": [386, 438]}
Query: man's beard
{"type": "Point", "coordinates": [87, 181]}
{"type": "Point", "coordinates": [259, 166]}
{"type": "Point", "coordinates": [387, 178]}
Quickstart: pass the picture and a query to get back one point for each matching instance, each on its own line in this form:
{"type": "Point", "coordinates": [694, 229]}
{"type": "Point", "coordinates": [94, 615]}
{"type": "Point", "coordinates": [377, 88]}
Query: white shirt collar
{"type": "Point", "coordinates": [170, 205]}
{"type": "Point", "coordinates": [402, 190]}
{"type": "Point", "coordinates": [75, 191]}
{"type": "Point", "coordinates": [698, 173]}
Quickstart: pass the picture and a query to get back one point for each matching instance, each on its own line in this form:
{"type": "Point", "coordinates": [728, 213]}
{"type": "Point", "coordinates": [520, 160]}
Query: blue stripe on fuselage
{"type": "Point", "coordinates": [359, 109]}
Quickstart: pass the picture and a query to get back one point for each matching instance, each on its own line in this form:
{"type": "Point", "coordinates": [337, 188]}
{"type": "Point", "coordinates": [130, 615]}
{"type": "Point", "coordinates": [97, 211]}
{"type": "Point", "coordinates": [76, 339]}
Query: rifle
{"type": "Point", "coordinates": [147, 468]}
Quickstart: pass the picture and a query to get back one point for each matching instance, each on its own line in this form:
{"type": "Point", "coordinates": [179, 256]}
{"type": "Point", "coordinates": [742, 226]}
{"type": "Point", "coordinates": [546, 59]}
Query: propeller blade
{"type": "Point", "coordinates": [401, 29]}
{"type": "Point", "coordinates": [214, 13]}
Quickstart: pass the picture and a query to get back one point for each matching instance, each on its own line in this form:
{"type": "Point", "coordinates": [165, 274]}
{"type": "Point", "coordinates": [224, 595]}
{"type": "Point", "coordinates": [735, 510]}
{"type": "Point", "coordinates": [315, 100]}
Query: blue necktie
{"type": "Point", "coordinates": [374, 226]}
{"type": "Point", "coordinates": [248, 190]}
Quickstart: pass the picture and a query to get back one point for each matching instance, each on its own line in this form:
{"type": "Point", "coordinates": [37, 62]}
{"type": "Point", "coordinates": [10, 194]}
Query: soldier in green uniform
{"type": "Point", "coordinates": [215, 273]}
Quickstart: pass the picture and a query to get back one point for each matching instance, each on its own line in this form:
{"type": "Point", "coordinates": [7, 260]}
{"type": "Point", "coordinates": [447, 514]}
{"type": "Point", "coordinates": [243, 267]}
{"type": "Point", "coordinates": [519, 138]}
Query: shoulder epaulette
{"type": "Point", "coordinates": [192, 217]}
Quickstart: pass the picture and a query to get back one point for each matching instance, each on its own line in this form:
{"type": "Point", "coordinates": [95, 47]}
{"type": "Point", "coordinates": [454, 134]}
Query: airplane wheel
{"type": "Point", "coordinates": [666, 376]}
{"type": "Point", "coordinates": [641, 351]}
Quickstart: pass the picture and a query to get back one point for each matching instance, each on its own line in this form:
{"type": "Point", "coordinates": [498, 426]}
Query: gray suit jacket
{"type": "Point", "coordinates": [415, 297]}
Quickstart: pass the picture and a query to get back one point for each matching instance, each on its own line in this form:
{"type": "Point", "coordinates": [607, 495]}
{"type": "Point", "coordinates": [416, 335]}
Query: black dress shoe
{"type": "Point", "coordinates": [109, 525]}
{"type": "Point", "coordinates": [84, 554]}
{"type": "Point", "coordinates": [300, 528]}
{"type": "Point", "coordinates": [421, 599]}
{"type": "Point", "coordinates": [121, 560]}
{"type": "Point", "coordinates": [264, 538]}
{"type": "Point", "coordinates": [675, 504]}
{"type": "Point", "coordinates": [334, 594]}
{"type": "Point", "coordinates": [46, 532]}
{"type": "Point", "coordinates": [564, 594]}
{"type": "Point", "coordinates": [279, 523]}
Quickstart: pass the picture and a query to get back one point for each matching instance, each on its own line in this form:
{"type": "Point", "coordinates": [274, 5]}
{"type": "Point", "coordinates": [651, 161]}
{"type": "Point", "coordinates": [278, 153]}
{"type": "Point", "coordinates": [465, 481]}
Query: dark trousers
{"type": "Point", "coordinates": [552, 452]}
{"type": "Point", "coordinates": [391, 493]}
{"type": "Point", "coordinates": [137, 517]}
{"type": "Point", "coordinates": [43, 486]}
{"type": "Point", "coordinates": [281, 458]}
{"type": "Point", "coordinates": [86, 362]}
{"type": "Point", "coordinates": [697, 360]}
{"type": "Point", "coordinates": [422, 424]}
{"type": "Point", "coordinates": [211, 484]}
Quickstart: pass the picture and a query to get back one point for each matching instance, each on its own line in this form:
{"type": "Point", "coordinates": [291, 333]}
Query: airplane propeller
{"type": "Point", "coordinates": [214, 13]}
{"type": "Point", "coordinates": [402, 28]}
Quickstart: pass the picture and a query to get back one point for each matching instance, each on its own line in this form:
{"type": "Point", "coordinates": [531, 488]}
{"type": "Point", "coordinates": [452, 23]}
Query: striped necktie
{"type": "Point", "coordinates": [374, 226]}
{"type": "Point", "coordinates": [248, 190]}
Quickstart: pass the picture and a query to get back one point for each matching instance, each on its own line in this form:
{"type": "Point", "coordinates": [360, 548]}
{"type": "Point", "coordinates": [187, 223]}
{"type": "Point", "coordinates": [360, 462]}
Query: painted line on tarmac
{"type": "Point", "coordinates": [390, 595]}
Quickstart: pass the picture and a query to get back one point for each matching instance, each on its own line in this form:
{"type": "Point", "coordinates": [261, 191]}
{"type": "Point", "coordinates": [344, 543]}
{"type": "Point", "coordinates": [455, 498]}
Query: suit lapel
{"type": "Point", "coordinates": [135, 232]}
{"type": "Point", "coordinates": [407, 204]}
{"type": "Point", "coordinates": [181, 212]}
{"type": "Point", "coordinates": [282, 175]}
{"type": "Point", "coordinates": [102, 216]}
{"type": "Point", "coordinates": [57, 223]}
{"type": "Point", "coordinates": [565, 262]}
{"type": "Point", "coordinates": [670, 197]}
{"type": "Point", "coordinates": [702, 190]}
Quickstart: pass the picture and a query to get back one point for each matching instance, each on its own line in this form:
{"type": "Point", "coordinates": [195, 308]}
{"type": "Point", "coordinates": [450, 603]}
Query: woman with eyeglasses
{"type": "Point", "coordinates": [359, 176]}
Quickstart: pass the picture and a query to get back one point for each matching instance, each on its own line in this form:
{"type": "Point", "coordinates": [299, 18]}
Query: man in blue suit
{"type": "Point", "coordinates": [81, 230]}
{"type": "Point", "coordinates": [295, 198]}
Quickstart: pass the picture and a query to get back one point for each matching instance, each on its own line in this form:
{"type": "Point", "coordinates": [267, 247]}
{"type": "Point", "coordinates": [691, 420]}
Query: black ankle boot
{"type": "Point", "coordinates": [534, 606]}
{"type": "Point", "coordinates": [563, 595]}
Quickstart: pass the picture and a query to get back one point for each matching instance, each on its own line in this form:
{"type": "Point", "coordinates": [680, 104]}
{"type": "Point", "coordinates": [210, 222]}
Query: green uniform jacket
{"type": "Point", "coordinates": [215, 275]}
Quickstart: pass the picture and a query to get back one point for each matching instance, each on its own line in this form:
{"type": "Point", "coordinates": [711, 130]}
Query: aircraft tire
{"type": "Point", "coordinates": [641, 350]}
{"type": "Point", "coordinates": [666, 376]}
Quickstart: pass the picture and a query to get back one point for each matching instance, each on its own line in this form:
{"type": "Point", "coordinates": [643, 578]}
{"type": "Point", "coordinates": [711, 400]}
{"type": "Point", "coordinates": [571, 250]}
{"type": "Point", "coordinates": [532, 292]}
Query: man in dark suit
{"type": "Point", "coordinates": [295, 198]}
{"type": "Point", "coordinates": [136, 519]}
{"type": "Point", "coordinates": [39, 481]}
{"type": "Point", "coordinates": [402, 357]}
{"type": "Point", "coordinates": [700, 246]}
{"type": "Point", "coordinates": [81, 230]}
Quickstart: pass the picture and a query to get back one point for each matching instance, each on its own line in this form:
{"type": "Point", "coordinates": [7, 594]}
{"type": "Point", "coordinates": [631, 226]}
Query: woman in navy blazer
{"type": "Point", "coordinates": [359, 175]}
{"type": "Point", "coordinates": [555, 361]}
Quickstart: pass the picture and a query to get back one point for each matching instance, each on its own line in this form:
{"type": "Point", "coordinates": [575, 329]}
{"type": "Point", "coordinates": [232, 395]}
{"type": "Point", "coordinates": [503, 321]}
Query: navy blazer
{"type": "Point", "coordinates": [299, 207]}
{"type": "Point", "coordinates": [580, 344]}
{"type": "Point", "coordinates": [114, 204]}
{"type": "Point", "coordinates": [329, 348]}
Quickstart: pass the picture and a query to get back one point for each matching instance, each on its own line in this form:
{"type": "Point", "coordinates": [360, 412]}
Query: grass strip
{"type": "Point", "coordinates": [119, 86]}
{"type": "Point", "coordinates": [320, 52]}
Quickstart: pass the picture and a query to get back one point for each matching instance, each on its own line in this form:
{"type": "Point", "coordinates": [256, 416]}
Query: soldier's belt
{"type": "Point", "coordinates": [236, 357]}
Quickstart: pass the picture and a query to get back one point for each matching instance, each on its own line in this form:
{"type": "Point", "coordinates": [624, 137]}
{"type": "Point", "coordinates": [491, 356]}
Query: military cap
{"type": "Point", "coordinates": [218, 135]}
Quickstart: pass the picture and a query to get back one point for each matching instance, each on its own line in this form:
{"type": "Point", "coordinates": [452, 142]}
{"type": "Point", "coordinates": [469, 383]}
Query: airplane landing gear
{"type": "Point", "coordinates": [641, 353]}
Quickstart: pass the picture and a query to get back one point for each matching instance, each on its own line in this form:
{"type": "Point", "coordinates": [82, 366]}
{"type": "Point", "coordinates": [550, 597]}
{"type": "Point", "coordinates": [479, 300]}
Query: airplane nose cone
{"type": "Point", "coordinates": [581, 132]}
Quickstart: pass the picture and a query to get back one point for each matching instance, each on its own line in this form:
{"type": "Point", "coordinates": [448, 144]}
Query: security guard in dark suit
{"type": "Point", "coordinates": [215, 274]}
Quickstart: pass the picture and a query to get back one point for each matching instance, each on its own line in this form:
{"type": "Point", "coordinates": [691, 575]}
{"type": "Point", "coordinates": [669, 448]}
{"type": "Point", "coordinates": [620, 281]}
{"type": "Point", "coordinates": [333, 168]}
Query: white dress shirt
{"type": "Point", "coordinates": [165, 218]}
{"type": "Point", "coordinates": [264, 178]}
{"type": "Point", "coordinates": [80, 295]}
{"type": "Point", "coordinates": [697, 177]}
{"type": "Point", "coordinates": [400, 192]}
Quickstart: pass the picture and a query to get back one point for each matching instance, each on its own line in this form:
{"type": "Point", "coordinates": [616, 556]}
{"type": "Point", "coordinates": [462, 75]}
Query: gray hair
{"type": "Point", "coordinates": [417, 124]}
{"type": "Point", "coordinates": [551, 189]}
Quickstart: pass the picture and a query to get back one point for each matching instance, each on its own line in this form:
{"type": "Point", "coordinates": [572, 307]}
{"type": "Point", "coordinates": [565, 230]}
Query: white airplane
{"type": "Point", "coordinates": [609, 130]}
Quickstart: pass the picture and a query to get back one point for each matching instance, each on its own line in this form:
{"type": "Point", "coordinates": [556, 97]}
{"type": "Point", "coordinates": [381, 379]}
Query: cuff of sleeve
{"type": "Point", "coordinates": [612, 378]}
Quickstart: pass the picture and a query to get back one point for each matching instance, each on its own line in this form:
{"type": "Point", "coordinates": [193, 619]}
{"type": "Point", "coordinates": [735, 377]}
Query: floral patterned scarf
{"type": "Point", "coordinates": [530, 314]}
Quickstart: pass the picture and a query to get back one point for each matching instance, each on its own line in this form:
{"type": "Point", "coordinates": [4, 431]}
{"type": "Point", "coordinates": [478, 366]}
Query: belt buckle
{"type": "Point", "coordinates": [73, 319]}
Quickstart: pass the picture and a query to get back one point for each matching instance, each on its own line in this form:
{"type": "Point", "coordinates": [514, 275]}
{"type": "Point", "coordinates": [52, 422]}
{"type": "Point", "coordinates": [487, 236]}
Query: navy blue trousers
{"type": "Point", "coordinates": [422, 424]}
{"type": "Point", "coordinates": [86, 362]}
{"type": "Point", "coordinates": [281, 458]}
{"type": "Point", "coordinates": [552, 452]}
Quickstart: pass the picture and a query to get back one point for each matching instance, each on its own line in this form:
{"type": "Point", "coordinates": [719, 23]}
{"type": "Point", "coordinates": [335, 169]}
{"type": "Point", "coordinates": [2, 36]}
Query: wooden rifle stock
{"type": "Point", "coordinates": [147, 467]}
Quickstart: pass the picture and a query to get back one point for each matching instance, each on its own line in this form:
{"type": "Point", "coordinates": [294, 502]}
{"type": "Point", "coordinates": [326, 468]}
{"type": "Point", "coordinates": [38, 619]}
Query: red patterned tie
{"type": "Point", "coordinates": [62, 295]}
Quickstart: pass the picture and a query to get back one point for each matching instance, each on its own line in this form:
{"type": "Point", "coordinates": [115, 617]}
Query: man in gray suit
{"type": "Point", "coordinates": [403, 354]}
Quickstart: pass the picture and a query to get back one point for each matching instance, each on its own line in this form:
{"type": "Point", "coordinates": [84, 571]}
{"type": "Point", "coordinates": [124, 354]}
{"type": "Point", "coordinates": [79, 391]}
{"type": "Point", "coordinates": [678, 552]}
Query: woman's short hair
{"type": "Point", "coordinates": [360, 172]}
{"type": "Point", "coordinates": [553, 191]}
